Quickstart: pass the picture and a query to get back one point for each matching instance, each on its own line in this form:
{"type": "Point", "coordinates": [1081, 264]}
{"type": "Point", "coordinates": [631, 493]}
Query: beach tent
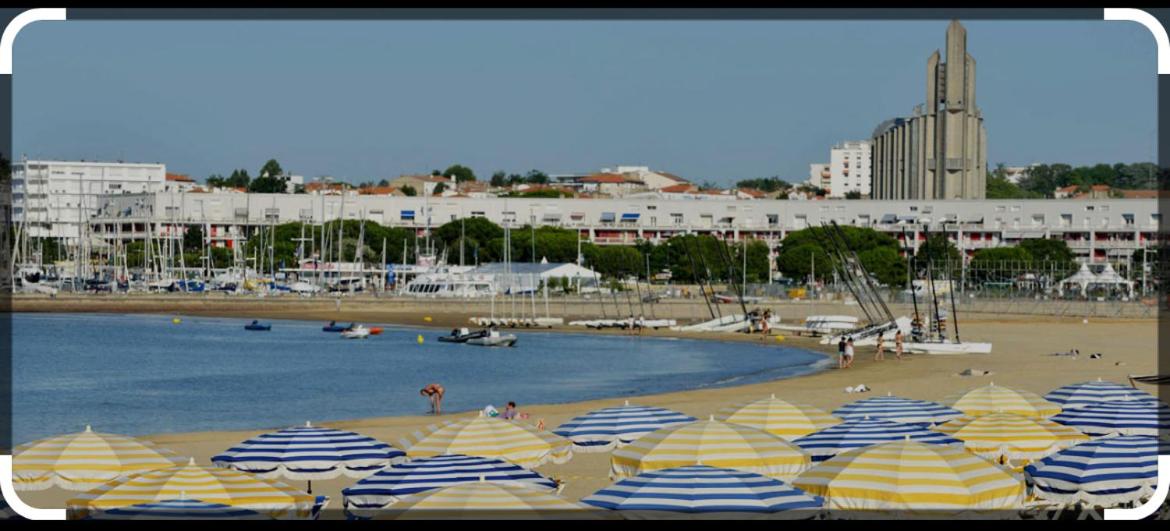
{"type": "Point", "coordinates": [487, 499]}
{"type": "Point", "coordinates": [1108, 278]}
{"type": "Point", "coordinates": [1105, 472]}
{"type": "Point", "coordinates": [179, 510]}
{"type": "Point", "coordinates": [1079, 280]}
{"type": "Point", "coordinates": [944, 479]}
{"type": "Point", "coordinates": [1089, 393]}
{"type": "Point", "coordinates": [1119, 417]}
{"type": "Point", "coordinates": [865, 432]}
{"type": "Point", "coordinates": [998, 399]}
{"type": "Point", "coordinates": [307, 453]}
{"type": "Point", "coordinates": [483, 436]}
{"type": "Point", "coordinates": [209, 484]}
{"type": "Point", "coordinates": [779, 417]}
{"type": "Point", "coordinates": [605, 429]}
{"type": "Point", "coordinates": [82, 461]}
{"type": "Point", "coordinates": [898, 409]}
{"type": "Point", "coordinates": [393, 483]}
{"type": "Point", "coordinates": [712, 443]}
{"type": "Point", "coordinates": [1008, 436]}
{"type": "Point", "coordinates": [704, 491]}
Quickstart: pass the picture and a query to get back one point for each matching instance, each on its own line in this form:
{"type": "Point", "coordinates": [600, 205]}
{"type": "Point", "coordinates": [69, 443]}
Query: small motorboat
{"type": "Point", "coordinates": [357, 332]}
{"type": "Point", "coordinates": [375, 330]}
{"type": "Point", "coordinates": [255, 325]}
{"type": "Point", "coordinates": [462, 335]}
{"type": "Point", "coordinates": [334, 327]}
{"type": "Point", "coordinates": [493, 339]}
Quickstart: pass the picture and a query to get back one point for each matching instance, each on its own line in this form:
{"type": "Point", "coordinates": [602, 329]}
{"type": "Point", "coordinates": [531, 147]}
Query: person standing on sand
{"type": "Point", "coordinates": [898, 345]}
{"type": "Point", "coordinates": [841, 353]}
{"type": "Point", "coordinates": [881, 347]}
{"type": "Point", "coordinates": [435, 393]}
{"type": "Point", "coordinates": [849, 353]}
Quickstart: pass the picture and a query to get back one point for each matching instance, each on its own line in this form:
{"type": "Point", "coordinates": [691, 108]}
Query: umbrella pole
{"type": "Point", "coordinates": [310, 486]}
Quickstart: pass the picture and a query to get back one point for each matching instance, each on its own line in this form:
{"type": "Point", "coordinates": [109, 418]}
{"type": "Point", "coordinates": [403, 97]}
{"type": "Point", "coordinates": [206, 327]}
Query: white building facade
{"type": "Point", "coordinates": [849, 168]}
{"type": "Point", "coordinates": [54, 199]}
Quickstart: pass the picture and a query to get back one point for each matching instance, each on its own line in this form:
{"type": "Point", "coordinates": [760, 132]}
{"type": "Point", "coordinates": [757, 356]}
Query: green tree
{"type": "Point", "coordinates": [536, 177]}
{"type": "Point", "coordinates": [409, 191]}
{"type": "Point", "coordinates": [460, 173]}
{"type": "Point", "coordinates": [803, 250]}
{"type": "Point", "coordinates": [1050, 255]}
{"type": "Point", "coordinates": [439, 188]}
{"type": "Point", "coordinates": [193, 237]}
{"type": "Point", "coordinates": [937, 248]}
{"type": "Point", "coordinates": [479, 235]}
{"type": "Point", "coordinates": [998, 264]}
{"type": "Point", "coordinates": [499, 179]}
{"type": "Point", "coordinates": [268, 185]}
{"type": "Point", "coordinates": [766, 184]}
{"type": "Point", "coordinates": [271, 169]}
{"type": "Point", "coordinates": [853, 194]}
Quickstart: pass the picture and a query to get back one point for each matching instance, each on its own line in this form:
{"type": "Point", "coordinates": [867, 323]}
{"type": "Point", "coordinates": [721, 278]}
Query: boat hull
{"type": "Point", "coordinates": [499, 341]}
{"type": "Point", "coordinates": [947, 349]}
{"type": "Point", "coordinates": [258, 328]}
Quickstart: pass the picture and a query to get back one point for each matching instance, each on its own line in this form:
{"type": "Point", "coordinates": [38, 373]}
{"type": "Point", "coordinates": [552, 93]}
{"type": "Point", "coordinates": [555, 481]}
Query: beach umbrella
{"type": "Point", "coordinates": [1090, 393]}
{"type": "Point", "coordinates": [703, 490]}
{"type": "Point", "coordinates": [779, 417]}
{"type": "Point", "coordinates": [864, 432]}
{"type": "Point", "coordinates": [209, 484]}
{"type": "Point", "coordinates": [1119, 417]}
{"type": "Point", "coordinates": [178, 510]}
{"type": "Point", "coordinates": [1108, 471]}
{"type": "Point", "coordinates": [897, 409]}
{"type": "Point", "coordinates": [713, 443]}
{"type": "Point", "coordinates": [605, 429]}
{"type": "Point", "coordinates": [307, 453]}
{"type": "Point", "coordinates": [82, 461]}
{"type": "Point", "coordinates": [484, 436]}
{"type": "Point", "coordinates": [997, 398]}
{"type": "Point", "coordinates": [488, 499]}
{"type": "Point", "coordinates": [392, 483]}
{"type": "Point", "coordinates": [913, 477]}
{"type": "Point", "coordinates": [1008, 436]}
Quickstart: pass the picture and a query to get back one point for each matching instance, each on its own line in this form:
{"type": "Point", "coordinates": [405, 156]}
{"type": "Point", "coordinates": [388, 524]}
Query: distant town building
{"type": "Point", "coordinates": [1014, 173]}
{"type": "Point", "coordinates": [848, 169]}
{"type": "Point", "coordinates": [940, 152]}
{"type": "Point", "coordinates": [177, 182]}
{"type": "Point", "coordinates": [54, 197]}
{"type": "Point", "coordinates": [820, 175]}
{"type": "Point", "coordinates": [422, 184]}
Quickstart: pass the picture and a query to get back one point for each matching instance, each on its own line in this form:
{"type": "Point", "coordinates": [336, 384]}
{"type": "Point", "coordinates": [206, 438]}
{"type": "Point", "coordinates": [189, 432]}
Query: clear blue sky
{"type": "Point", "coordinates": [707, 100]}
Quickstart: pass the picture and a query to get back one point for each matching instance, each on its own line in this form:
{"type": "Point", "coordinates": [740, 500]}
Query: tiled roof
{"type": "Point", "coordinates": [604, 178]}
{"type": "Point", "coordinates": [178, 177]}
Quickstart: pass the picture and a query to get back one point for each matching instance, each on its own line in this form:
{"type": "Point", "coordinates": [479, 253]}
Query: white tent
{"type": "Point", "coordinates": [1109, 278]}
{"type": "Point", "coordinates": [1081, 280]}
{"type": "Point", "coordinates": [1085, 279]}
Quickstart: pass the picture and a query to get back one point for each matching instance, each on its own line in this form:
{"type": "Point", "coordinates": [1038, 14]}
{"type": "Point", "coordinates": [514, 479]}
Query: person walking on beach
{"type": "Point", "coordinates": [898, 345]}
{"type": "Point", "coordinates": [435, 393]}
{"type": "Point", "coordinates": [841, 353]}
{"type": "Point", "coordinates": [764, 327]}
{"type": "Point", "coordinates": [881, 347]}
{"type": "Point", "coordinates": [849, 353]}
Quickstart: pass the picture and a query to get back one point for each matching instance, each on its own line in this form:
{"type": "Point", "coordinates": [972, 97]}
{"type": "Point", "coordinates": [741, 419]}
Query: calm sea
{"type": "Point", "coordinates": [141, 374]}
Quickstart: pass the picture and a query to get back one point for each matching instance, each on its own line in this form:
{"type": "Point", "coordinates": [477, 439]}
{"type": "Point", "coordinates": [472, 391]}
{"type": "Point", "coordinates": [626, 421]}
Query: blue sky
{"type": "Point", "coordinates": [708, 100]}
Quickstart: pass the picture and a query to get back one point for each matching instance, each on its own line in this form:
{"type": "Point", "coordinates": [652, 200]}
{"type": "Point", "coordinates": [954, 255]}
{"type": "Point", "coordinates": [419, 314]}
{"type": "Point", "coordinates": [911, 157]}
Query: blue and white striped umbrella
{"type": "Point", "coordinates": [1107, 471]}
{"type": "Point", "coordinates": [897, 409]}
{"type": "Point", "coordinates": [605, 429]}
{"type": "Point", "coordinates": [309, 453]}
{"type": "Point", "coordinates": [178, 510]}
{"type": "Point", "coordinates": [1119, 417]}
{"type": "Point", "coordinates": [857, 433]}
{"type": "Point", "coordinates": [1088, 393]}
{"type": "Point", "coordinates": [703, 489]}
{"type": "Point", "coordinates": [392, 483]}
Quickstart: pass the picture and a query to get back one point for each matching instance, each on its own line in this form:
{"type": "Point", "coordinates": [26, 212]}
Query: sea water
{"type": "Point", "coordinates": [142, 374]}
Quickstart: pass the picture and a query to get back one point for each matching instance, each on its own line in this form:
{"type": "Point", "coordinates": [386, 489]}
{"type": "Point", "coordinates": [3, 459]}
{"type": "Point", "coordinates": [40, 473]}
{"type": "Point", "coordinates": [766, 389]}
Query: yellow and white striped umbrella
{"type": "Point", "coordinates": [779, 417]}
{"type": "Point", "coordinates": [209, 484]}
{"type": "Point", "coordinates": [82, 461]}
{"type": "Point", "coordinates": [909, 476]}
{"type": "Point", "coordinates": [484, 436]}
{"type": "Point", "coordinates": [711, 443]}
{"type": "Point", "coordinates": [486, 499]}
{"type": "Point", "coordinates": [1009, 436]}
{"type": "Point", "coordinates": [997, 398]}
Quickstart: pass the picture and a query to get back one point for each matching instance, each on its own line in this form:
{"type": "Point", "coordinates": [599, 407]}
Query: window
{"type": "Point", "coordinates": [1128, 218]}
{"type": "Point", "coordinates": [773, 220]}
{"type": "Point", "coordinates": [1066, 220]}
{"type": "Point", "coordinates": [676, 218]}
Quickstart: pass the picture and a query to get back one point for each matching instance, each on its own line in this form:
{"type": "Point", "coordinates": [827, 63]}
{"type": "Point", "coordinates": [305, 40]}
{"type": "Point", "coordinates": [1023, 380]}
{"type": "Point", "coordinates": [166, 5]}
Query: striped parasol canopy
{"type": "Point", "coordinates": [701, 490]}
{"type": "Point", "coordinates": [781, 418]}
{"type": "Point", "coordinates": [898, 409]}
{"type": "Point", "coordinates": [487, 499]}
{"type": "Point", "coordinates": [1090, 393]}
{"type": "Point", "coordinates": [1107, 472]}
{"type": "Point", "coordinates": [913, 477]}
{"type": "Point", "coordinates": [179, 510]}
{"type": "Point", "coordinates": [1119, 417]}
{"type": "Point", "coordinates": [209, 484]}
{"type": "Point", "coordinates": [998, 399]}
{"type": "Point", "coordinates": [392, 483]}
{"type": "Point", "coordinates": [865, 432]}
{"type": "Point", "coordinates": [82, 461]}
{"type": "Point", "coordinates": [1008, 436]}
{"type": "Point", "coordinates": [605, 429]}
{"type": "Point", "coordinates": [712, 443]}
{"type": "Point", "coordinates": [309, 453]}
{"type": "Point", "coordinates": [484, 436]}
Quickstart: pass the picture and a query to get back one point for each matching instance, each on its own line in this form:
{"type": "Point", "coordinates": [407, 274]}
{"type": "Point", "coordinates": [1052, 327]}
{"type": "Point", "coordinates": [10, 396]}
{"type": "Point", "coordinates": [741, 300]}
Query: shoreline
{"type": "Point", "coordinates": [1020, 359]}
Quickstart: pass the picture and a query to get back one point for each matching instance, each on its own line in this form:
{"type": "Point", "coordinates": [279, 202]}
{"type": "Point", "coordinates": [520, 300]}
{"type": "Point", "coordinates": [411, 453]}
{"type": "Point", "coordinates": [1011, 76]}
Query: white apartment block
{"type": "Point", "coordinates": [819, 175]}
{"type": "Point", "coordinates": [849, 168]}
{"type": "Point", "coordinates": [54, 198]}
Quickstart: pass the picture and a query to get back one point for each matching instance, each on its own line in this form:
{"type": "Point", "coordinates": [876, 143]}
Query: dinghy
{"type": "Point", "coordinates": [357, 332]}
{"type": "Point", "coordinates": [462, 335]}
{"type": "Point", "coordinates": [256, 326]}
{"type": "Point", "coordinates": [493, 339]}
{"type": "Point", "coordinates": [334, 327]}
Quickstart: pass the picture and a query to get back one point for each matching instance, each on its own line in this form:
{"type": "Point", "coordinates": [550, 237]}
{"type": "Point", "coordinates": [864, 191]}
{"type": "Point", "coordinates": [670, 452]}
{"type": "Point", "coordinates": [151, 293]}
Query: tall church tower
{"type": "Point", "coordinates": [956, 155]}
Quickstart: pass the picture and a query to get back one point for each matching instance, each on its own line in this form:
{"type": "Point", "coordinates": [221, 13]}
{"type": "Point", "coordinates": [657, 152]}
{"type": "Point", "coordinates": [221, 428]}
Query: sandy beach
{"type": "Point", "coordinates": [1021, 358]}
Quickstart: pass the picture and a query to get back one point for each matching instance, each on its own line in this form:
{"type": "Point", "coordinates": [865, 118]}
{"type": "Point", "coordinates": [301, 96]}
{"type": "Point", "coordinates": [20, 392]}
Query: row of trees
{"type": "Point", "coordinates": [271, 180]}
